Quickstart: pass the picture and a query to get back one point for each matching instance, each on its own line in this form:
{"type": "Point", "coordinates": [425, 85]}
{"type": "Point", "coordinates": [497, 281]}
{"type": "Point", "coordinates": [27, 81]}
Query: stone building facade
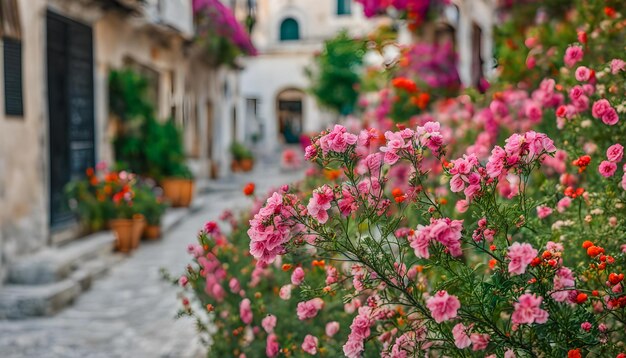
{"type": "Point", "coordinates": [55, 59]}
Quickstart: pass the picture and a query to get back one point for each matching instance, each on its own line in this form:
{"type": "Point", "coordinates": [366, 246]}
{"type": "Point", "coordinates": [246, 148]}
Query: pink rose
{"type": "Point", "coordinates": [582, 74]}
{"type": "Point", "coordinates": [573, 54]}
{"type": "Point", "coordinates": [615, 153]}
{"type": "Point", "coordinates": [607, 169]}
{"type": "Point", "coordinates": [600, 107]}
{"type": "Point", "coordinates": [443, 306]}
{"type": "Point", "coordinates": [610, 117]}
{"type": "Point", "coordinates": [310, 344]}
{"type": "Point", "coordinates": [520, 255]}
{"type": "Point", "coordinates": [332, 328]}
{"type": "Point", "coordinates": [297, 276]}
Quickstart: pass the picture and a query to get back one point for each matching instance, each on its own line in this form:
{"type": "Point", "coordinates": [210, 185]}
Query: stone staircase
{"type": "Point", "coordinates": [43, 283]}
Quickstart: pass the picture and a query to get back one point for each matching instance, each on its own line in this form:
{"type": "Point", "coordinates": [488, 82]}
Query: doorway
{"type": "Point", "coordinates": [290, 113]}
{"type": "Point", "coordinates": [69, 49]}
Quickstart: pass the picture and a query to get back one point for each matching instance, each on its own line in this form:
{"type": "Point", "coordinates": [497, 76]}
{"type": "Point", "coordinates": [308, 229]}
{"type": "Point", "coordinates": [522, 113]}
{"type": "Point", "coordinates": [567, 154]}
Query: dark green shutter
{"type": "Point", "coordinates": [13, 101]}
{"type": "Point", "coordinates": [343, 7]}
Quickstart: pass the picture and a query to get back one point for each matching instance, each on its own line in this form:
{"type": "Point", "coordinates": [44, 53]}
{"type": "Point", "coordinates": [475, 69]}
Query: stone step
{"type": "Point", "coordinates": [23, 301]}
{"type": "Point", "coordinates": [57, 263]}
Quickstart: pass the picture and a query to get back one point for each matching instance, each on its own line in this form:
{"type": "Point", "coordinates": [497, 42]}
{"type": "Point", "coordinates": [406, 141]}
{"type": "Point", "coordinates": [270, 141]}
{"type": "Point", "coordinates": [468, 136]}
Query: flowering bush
{"type": "Point", "coordinates": [220, 33]}
{"type": "Point", "coordinates": [512, 246]}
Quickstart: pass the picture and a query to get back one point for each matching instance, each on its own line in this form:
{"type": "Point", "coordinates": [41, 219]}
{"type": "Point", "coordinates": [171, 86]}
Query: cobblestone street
{"type": "Point", "coordinates": [131, 311]}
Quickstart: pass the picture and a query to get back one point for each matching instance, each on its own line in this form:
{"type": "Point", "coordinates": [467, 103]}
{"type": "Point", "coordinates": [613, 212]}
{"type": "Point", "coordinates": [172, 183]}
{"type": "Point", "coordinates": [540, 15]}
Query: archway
{"type": "Point", "coordinates": [289, 109]}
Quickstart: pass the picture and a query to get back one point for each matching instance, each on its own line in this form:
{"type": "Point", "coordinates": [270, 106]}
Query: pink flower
{"type": "Point", "coordinates": [234, 285]}
{"type": "Point", "coordinates": [347, 204]}
{"type": "Point", "coordinates": [445, 231]}
{"type": "Point", "coordinates": [573, 54]}
{"type": "Point", "coordinates": [310, 344]}
{"type": "Point", "coordinates": [563, 204]}
{"type": "Point", "coordinates": [308, 309]}
{"type": "Point", "coordinates": [272, 348]}
{"type": "Point", "coordinates": [268, 323]}
{"type": "Point", "coordinates": [528, 311]}
{"type": "Point", "coordinates": [543, 211]}
{"type": "Point", "coordinates": [332, 328]}
{"type": "Point", "coordinates": [337, 140]}
{"type": "Point", "coordinates": [245, 311]}
{"type": "Point", "coordinates": [586, 326]}
{"type": "Point", "coordinates": [607, 169]}
{"type": "Point", "coordinates": [443, 306]}
{"type": "Point", "coordinates": [582, 74]}
{"type": "Point", "coordinates": [610, 117]}
{"type": "Point", "coordinates": [183, 280]}
{"type": "Point", "coordinates": [320, 203]}
{"type": "Point", "coordinates": [617, 65]}
{"type": "Point", "coordinates": [563, 279]}
{"type": "Point", "coordinates": [353, 348]}
{"type": "Point", "coordinates": [479, 341]}
{"type": "Point", "coordinates": [285, 292]}
{"type": "Point", "coordinates": [624, 179]}
{"type": "Point", "coordinates": [520, 255]}
{"type": "Point", "coordinates": [615, 153]}
{"type": "Point", "coordinates": [600, 107]}
{"type": "Point", "coordinates": [461, 338]}
{"type": "Point", "coordinates": [297, 276]}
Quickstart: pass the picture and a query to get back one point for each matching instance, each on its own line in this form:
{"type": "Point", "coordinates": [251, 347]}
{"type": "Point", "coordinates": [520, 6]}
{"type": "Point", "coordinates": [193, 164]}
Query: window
{"type": "Point", "coordinates": [343, 7]}
{"type": "Point", "coordinates": [13, 101]}
{"type": "Point", "coordinates": [10, 30]}
{"type": "Point", "coordinates": [289, 30]}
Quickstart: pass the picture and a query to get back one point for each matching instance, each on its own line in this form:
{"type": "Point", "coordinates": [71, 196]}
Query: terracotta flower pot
{"type": "Point", "coordinates": [171, 190]}
{"type": "Point", "coordinates": [139, 223]}
{"type": "Point", "coordinates": [152, 232]}
{"type": "Point", "coordinates": [246, 164]}
{"type": "Point", "coordinates": [186, 192]}
{"type": "Point", "coordinates": [123, 230]}
{"type": "Point", "coordinates": [234, 166]}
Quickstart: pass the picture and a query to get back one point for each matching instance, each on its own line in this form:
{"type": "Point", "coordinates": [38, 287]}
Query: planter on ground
{"type": "Point", "coordinates": [152, 232]}
{"type": "Point", "coordinates": [139, 223]}
{"type": "Point", "coordinates": [123, 230]}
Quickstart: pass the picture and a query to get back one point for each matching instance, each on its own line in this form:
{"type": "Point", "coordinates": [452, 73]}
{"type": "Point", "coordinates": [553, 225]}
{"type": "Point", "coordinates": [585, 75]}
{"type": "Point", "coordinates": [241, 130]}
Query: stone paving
{"type": "Point", "coordinates": [131, 312]}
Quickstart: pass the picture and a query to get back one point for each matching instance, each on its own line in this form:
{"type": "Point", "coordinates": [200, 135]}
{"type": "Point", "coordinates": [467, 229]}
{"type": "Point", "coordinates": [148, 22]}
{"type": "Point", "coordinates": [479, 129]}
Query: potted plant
{"type": "Point", "coordinates": [152, 208]}
{"type": "Point", "coordinates": [243, 160]}
{"type": "Point", "coordinates": [123, 224]}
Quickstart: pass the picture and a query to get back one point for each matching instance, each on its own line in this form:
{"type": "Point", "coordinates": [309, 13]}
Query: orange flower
{"type": "Point", "coordinates": [332, 174]}
{"type": "Point", "coordinates": [421, 100]}
{"type": "Point", "coordinates": [319, 263]}
{"type": "Point", "coordinates": [594, 251]}
{"type": "Point", "coordinates": [396, 192]}
{"type": "Point", "coordinates": [89, 172]}
{"type": "Point", "coordinates": [581, 298]}
{"type": "Point", "coordinates": [248, 189]}
{"type": "Point", "coordinates": [492, 263]}
{"type": "Point", "coordinates": [587, 244]}
{"type": "Point", "coordinates": [287, 267]}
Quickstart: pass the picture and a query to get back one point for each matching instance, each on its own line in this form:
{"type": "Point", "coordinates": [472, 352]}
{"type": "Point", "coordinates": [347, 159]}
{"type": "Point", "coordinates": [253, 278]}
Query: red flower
{"type": "Point", "coordinates": [614, 278]}
{"type": "Point", "coordinates": [405, 84]}
{"type": "Point", "coordinates": [248, 189]}
{"type": "Point", "coordinates": [609, 11]}
{"type": "Point", "coordinates": [574, 353]}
